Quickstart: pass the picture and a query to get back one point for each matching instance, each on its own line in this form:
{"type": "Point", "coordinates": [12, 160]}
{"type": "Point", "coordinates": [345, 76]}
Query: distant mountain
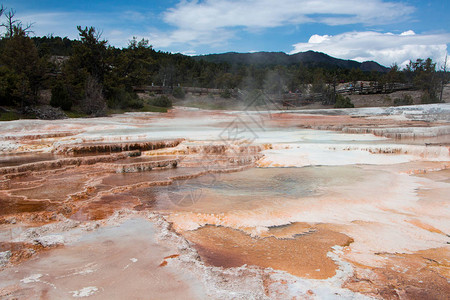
{"type": "Point", "coordinates": [308, 58]}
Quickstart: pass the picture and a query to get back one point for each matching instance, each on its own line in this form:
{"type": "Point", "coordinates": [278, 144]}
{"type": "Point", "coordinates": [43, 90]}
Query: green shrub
{"type": "Point", "coordinates": [405, 100]}
{"type": "Point", "coordinates": [387, 99]}
{"type": "Point", "coordinates": [135, 103]}
{"type": "Point", "coordinates": [151, 108]}
{"type": "Point", "coordinates": [343, 102]}
{"type": "Point", "coordinates": [426, 98]}
{"type": "Point", "coordinates": [9, 116]}
{"type": "Point", "coordinates": [225, 94]}
{"type": "Point", "coordinates": [121, 99]}
{"type": "Point", "coordinates": [9, 80]}
{"type": "Point", "coordinates": [76, 114]}
{"type": "Point", "coordinates": [60, 97]}
{"type": "Point", "coordinates": [178, 93]}
{"type": "Point", "coordinates": [161, 101]}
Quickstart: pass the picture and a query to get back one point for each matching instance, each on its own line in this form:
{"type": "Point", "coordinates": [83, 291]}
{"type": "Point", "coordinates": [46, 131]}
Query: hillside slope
{"type": "Point", "coordinates": [308, 58]}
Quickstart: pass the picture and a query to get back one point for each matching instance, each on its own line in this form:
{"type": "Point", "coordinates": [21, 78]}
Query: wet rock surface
{"type": "Point", "coordinates": [265, 211]}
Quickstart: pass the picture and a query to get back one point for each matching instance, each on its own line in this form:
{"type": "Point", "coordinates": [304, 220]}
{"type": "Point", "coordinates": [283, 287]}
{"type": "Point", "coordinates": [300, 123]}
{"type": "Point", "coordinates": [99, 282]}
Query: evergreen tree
{"type": "Point", "coordinates": [60, 96]}
{"type": "Point", "coordinates": [20, 60]}
{"type": "Point", "coordinates": [86, 68]}
{"type": "Point", "coordinates": [343, 102]}
{"type": "Point", "coordinates": [425, 78]}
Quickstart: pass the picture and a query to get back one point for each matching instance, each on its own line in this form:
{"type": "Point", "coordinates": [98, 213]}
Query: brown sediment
{"type": "Point", "coordinates": [212, 154]}
{"type": "Point", "coordinates": [14, 205]}
{"type": "Point", "coordinates": [121, 261]}
{"type": "Point", "coordinates": [428, 169]}
{"type": "Point", "coordinates": [38, 218]}
{"type": "Point", "coordinates": [19, 251]}
{"type": "Point", "coordinates": [93, 187]}
{"type": "Point", "coordinates": [88, 187]}
{"type": "Point", "coordinates": [39, 136]}
{"type": "Point", "coordinates": [59, 163]}
{"type": "Point", "coordinates": [89, 148]}
{"type": "Point", "coordinates": [25, 158]}
{"type": "Point", "coordinates": [425, 226]}
{"type": "Point", "coordinates": [441, 174]}
{"type": "Point", "coordinates": [24, 182]}
{"type": "Point", "coordinates": [386, 127]}
{"type": "Point", "coordinates": [53, 190]}
{"type": "Point", "coordinates": [104, 207]}
{"type": "Point", "coordinates": [147, 198]}
{"type": "Point", "coordinates": [304, 255]}
{"type": "Point", "coordinates": [421, 275]}
{"type": "Point", "coordinates": [419, 172]}
{"type": "Point", "coordinates": [145, 166]}
{"type": "Point", "coordinates": [164, 262]}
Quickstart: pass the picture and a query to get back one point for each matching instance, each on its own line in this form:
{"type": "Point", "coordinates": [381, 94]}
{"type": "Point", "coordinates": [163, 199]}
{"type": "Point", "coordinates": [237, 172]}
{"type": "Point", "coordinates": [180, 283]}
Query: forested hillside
{"type": "Point", "coordinates": [310, 59]}
{"type": "Point", "coordinates": [90, 76]}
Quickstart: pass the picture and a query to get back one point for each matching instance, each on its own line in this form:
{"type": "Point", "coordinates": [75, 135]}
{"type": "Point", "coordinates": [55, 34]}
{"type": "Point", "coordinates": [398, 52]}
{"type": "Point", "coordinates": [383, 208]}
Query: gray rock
{"type": "Point", "coordinates": [49, 240]}
{"type": "Point", "coordinates": [4, 258]}
{"type": "Point", "coordinates": [46, 112]}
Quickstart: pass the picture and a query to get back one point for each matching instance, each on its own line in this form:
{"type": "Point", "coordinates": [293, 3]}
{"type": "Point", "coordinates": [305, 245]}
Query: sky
{"type": "Point", "coordinates": [385, 31]}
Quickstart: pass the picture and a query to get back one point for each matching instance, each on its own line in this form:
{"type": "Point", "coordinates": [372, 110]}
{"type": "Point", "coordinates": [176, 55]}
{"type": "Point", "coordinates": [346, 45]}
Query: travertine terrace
{"type": "Point", "coordinates": [255, 204]}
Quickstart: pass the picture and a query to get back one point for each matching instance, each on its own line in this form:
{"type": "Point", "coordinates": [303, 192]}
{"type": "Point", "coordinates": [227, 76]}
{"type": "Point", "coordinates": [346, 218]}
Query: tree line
{"type": "Point", "coordinates": [90, 75]}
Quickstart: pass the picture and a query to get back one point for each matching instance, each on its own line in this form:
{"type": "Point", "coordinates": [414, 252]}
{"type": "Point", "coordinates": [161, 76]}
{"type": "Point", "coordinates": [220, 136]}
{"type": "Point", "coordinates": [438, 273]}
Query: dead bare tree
{"type": "Point", "coordinates": [14, 26]}
{"type": "Point", "coordinates": [444, 77]}
{"type": "Point", "coordinates": [94, 104]}
{"type": "Point", "coordinates": [10, 23]}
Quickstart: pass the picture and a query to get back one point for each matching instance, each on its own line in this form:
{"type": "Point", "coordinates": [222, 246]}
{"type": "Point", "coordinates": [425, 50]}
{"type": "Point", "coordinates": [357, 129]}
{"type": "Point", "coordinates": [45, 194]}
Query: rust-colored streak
{"type": "Point", "coordinates": [54, 190]}
{"type": "Point", "coordinates": [20, 251]}
{"type": "Point", "coordinates": [105, 207]}
{"type": "Point", "coordinates": [387, 213]}
{"type": "Point", "coordinates": [304, 255]}
{"type": "Point", "coordinates": [163, 264]}
{"type": "Point", "coordinates": [18, 205]}
{"type": "Point", "coordinates": [425, 226]}
{"type": "Point", "coordinates": [421, 275]}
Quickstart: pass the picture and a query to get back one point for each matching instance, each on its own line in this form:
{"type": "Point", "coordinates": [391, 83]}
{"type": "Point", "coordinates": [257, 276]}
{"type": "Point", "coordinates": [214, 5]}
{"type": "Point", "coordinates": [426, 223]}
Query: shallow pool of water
{"type": "Point", "coordinates": [249, 189]}
{"type": "Point", "coordinates": [20, 159]}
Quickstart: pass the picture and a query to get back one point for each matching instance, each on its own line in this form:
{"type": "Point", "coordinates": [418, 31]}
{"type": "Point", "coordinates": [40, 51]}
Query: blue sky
{"type": "Point", "coordinates": [387, 31]}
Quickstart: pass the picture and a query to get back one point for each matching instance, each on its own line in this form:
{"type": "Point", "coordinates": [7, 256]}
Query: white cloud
{"type": "Point", "coordinates": [190, 38]}
{"type": "Point", "coordinates": [57, 23]}
{"type": "Point", "coordinates": [114, 27]}
{"type": "Point", "coordinates": [63, 23]}
{"type": "Point", "coordinates": [409, 32]}
{"type": "Point", "coordinates": [189, 52]}
{"type": "Point", "coordinates": [317, 39]}
{"type": "Point", "coordinates": [196, 22]}
{"type": "Point", "coordinates": [211, 14]}
{"type": "Point", "coordinates": [193, 23]}
{"type": "Point", "coordinates": [384, 48]}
